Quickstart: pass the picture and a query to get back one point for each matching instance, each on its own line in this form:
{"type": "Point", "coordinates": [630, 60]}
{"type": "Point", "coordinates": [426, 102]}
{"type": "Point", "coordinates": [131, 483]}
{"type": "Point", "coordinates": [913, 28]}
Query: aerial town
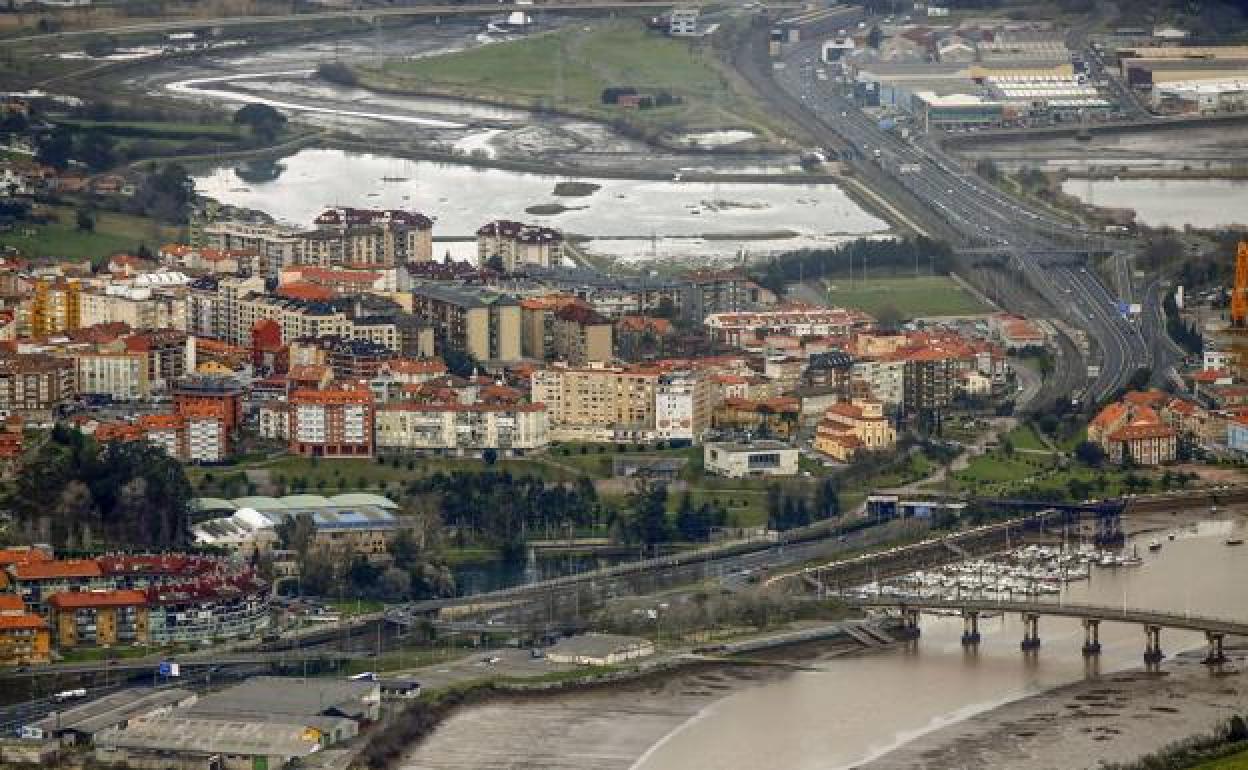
{"type": "Point", "coordinates": [623, 384]}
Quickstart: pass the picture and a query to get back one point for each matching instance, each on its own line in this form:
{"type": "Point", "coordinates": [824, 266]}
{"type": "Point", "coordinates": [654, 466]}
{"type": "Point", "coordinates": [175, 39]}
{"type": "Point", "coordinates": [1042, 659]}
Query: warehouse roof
{"type": "Point", "coordinates": [211, 736]}
{"type": "Point", "coordinates": [283, 695]}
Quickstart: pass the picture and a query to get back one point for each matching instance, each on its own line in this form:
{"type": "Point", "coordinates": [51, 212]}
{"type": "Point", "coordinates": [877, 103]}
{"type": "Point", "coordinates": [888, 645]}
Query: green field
{"type": "Point", "coordinates": [927, 295]}
{"type": "Point", "coordinates": [1233, 762]}
{"type": "Point", "coordinates": [567, 70]}
{"type": "Point", "coordinates": [113, 234]}
{"type": "Point", "coordinates": [1025, 437]}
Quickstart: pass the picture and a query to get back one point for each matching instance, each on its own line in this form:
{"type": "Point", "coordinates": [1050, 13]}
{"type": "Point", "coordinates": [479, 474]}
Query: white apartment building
{"type": "Point", "coordinates": [122, 375]}
{"type": "Point", "coordinates": [138, 308]}
{"type": "Point", "coordinates": [205, 439]}
{"type": "Point", "coordinates": [462, 428]}
{"type": "Point", "coordinates": [519, 245]}
{"type": "Point", "coordinates": [682, 406]}
{"type": "Point", "coordinates": [598, 403]}
{"type": "Point", "coordinates": [885, 378]}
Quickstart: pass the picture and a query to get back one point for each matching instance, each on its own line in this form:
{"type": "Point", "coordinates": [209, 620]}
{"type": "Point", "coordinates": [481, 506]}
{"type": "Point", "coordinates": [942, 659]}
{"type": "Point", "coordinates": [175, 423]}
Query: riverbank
{"type": "Point", "coordinates": [1115, 718]}
{"type": "Point", "coordinates": [600, 726]}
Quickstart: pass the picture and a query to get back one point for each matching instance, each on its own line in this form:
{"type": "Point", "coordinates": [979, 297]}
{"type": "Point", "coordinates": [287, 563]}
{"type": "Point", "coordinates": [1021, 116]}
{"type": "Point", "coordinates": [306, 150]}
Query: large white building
{"type": "Point", "coordinates": [519, 245]}
{"type": "Point", "coordinates": [756, 459]}
{"type": "Point", "coordinates": [747, 328]}
{"type": "Point", "coordinates": [462, 428]}
{"type": "Point", "coordinates": [682, 406]}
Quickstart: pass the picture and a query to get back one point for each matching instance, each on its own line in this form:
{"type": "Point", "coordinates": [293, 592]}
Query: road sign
{"type": "Point", "coordinates": [169, 668]}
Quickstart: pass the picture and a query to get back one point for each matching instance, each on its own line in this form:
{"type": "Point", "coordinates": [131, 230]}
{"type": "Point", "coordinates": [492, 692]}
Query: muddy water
{"type": "Point", "coordinates": [855, 709]}
{"type": "Point", "coordinates": [1174, 202]}
{"type": "Point", "coordinates": [629, 219]}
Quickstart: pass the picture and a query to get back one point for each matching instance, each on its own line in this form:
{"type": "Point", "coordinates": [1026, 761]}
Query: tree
{"type": "Point", "coordinates": [650, 514]}
{"type": "Point", "coordinates": [295, 533]}
{"type": "Point", "coordinates": [889, 317]}
{"type": "Point", "coordinates": [85, 221]}
{"type": "Point", "coordinates": [98, 150]}
{"type": "Point", "coordinates": [1089, 454]}
{"type": "Point", "coordinates": [55, 148]}
{"type": "Point", "coordinates": [396, 584]}
{"type": "Point", "coordinates": [495, 263]}
{"type": "Point", "coordinates": [986, 168]}
{"type": "Point", "coordinates": [490, 456]}
{"type": "Point", "coordinates": [264, 122]}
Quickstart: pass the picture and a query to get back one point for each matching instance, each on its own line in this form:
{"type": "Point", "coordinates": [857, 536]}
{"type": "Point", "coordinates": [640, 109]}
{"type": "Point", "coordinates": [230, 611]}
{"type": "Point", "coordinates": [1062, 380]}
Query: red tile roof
{"type": "Point", "coordinates": [45, 570]}
{"type": "Point", "coordinates": [22, 623]}
{"type": "Point", "coordinates": [67, 600]}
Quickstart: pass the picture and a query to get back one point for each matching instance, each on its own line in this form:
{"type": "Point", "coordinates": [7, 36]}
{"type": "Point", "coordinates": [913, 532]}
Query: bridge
{"type": "Point", "coordinates": [1092, 615]}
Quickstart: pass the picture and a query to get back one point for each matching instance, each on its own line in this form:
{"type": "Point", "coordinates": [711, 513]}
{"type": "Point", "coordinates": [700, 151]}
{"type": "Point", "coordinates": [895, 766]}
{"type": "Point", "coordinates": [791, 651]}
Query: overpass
{"type": "Point", "coordinates": [1092, 615]}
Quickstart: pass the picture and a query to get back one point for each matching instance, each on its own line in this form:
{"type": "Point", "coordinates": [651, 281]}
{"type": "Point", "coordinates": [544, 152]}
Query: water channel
{"type": "Point", "coordinates": [857, 708]}
{"type": "Point", "coordinates": [1173, 202]}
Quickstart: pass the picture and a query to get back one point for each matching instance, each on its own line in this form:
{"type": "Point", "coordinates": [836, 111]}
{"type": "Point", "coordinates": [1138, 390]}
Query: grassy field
{"type": "Point", "coordinates": [161, 130]}
{"type": "Point", "coordinates": [568, 69]}
{"type": "Point", "coordinates": [113, 234]}
{"type": "Point", "coordinates": [1233, 762]}
{"type": "Point", "coordinates": [1024, 437]}
{"type": "Point", "coordinates": [927, 295]}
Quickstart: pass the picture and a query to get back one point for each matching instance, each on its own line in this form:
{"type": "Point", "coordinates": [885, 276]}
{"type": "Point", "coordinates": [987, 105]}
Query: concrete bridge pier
{"type": "Point", "coordinates": [1091, 637]}
{"type": "Point", "coordinates": [1152, 647]}
{"type": "Point", "coordinates": [970, 628]}
{"type": "Point", "coordinates": [1031, 632]}
{"type": "Point", "coordinates": [1216, 656]}
{"type": "Point", "coordinates": [910, 623]}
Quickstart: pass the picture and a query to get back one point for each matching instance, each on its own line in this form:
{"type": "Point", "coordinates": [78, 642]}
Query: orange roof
{"type": "Point", "coordinates": [1111, 414]}
{"type": "Point", "coordinates": [118, 431]}
{"type": "Point", "coordinates": [1211, 375]}
{"type": "Point", "coordinates": [22, 622]}
{"type": "Point", "coordinates": [1145, 397]}
{"type": "Point", "coordinates": [11, 602]}
{"type": "Point", "coordinates": [77, 599]}
{"type": "Point", "coordinates": [44, 570]}
{"type": "Point", "coordinates": [22, 555]}
{"type": "Point", "coordinates": [160, 422]}
{"type": "Point", "coordinates": [306, 291]}
{"type": "Point", "coordinates": [338, 396]}
{"type": "Point", "coordinates": [1133, 432]}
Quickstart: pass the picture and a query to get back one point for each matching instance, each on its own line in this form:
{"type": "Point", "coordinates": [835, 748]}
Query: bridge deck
{"type": "Point", "coordinates": [1140, 616]}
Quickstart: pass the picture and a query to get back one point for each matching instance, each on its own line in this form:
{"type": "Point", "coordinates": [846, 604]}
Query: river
{"type": "Point", "coordinates": [632, 220]}
{"type": "Point", "coordinates": [854, 709]}
{"type": "Point", "coordinates": [1173, 202]}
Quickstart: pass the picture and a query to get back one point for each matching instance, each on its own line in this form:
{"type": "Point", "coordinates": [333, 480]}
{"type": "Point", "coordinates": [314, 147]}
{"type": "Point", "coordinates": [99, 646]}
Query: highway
{"type": "Point", "coordinates": [363, 14]}
{"type": "Point", "coordinates": [978, 216]}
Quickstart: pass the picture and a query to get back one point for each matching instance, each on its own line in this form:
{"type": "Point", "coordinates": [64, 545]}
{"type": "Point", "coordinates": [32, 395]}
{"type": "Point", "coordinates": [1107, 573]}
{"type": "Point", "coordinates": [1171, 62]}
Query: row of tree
{"type": "Point", "coordinates": [864, 254]}
{"type": "Point", "coordinates": [73, 492]}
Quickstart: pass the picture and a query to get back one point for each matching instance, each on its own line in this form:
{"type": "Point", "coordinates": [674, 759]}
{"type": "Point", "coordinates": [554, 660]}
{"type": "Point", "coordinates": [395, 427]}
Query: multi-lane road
{"type": "Point", "coordinates": [979, 217]}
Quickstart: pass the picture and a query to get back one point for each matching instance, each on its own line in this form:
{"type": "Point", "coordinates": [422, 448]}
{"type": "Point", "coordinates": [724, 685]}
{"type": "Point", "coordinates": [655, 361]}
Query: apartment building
{"type": "Point", "coordinates": [36, 383]}
{"type": "Point", "coordinates": [748, 329]}
{"type": "Point", "coordinates": [462, 428]}
{"type": "Point", "coordinates": [682, 406]}
{"type": "Point", "coordinates": [204, 394]}
{"type": "Point", "coordinates": [24, 636]}
{"type": "Point", "coordinates": [580, 335]}
{"type": "Point", "coordinates": [99, 618]}
{"type": "Point", "coordinates": [272, 247]}
{"type": "Point", "coordinates": [122, 375]}
{"type": "Point", "coordinates": [598, 403]}
{"type": "Point", "coordinates": [931, 378]}
{"type": "Point", "coordinates": [481, 323]}
{"type": "Point", "coordinates": [369, 238]}
{"type": "Point", "coordinates": [168, 352]}
{"type": "Point", "coordinates": [519, 245]}
{"type": "Point", "coordinates": [136, 307]}
{"type": "Point", "coordinates": [331, 423]}
{"type": "Point", "coordinates": [854, 427]}
{"type": "Point", "coordinates": [53, 307]}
